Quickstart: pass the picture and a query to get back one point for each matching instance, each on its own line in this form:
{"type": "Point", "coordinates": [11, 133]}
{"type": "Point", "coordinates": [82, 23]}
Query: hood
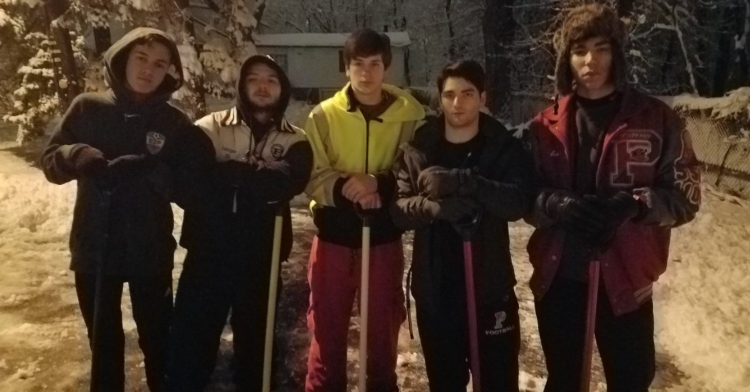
{"type": "Point", "coordinates": [116, 58]}
{"type": "Point", "coordinates": [244, 106]}
{"type": "Point", "coordinates": [404, 108]}
{"type": "Point", "coordinates": [588, 21]}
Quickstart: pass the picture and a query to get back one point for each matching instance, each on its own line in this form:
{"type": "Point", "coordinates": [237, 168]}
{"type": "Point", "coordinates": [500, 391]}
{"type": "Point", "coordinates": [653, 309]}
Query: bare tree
{"type": "Point", "coordinates": [66, 63]}
{"type": "Point", "coordinates": [196, 84]}
{"type": "Point", "coordinates": [499, 30]}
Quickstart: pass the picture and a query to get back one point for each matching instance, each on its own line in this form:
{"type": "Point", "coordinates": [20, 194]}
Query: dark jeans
{"type": "Point", "coordinates": [208, 289]}
{"type": "Point", "coordinates": [625, 342]}
{"type": "Point", "coordinates": [445, 342]}
{"type": "Point", "coordinates": [151, 298]}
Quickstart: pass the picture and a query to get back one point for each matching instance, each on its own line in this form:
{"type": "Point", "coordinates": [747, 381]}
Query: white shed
{"type": "Point", "coordinates": [315, 62]}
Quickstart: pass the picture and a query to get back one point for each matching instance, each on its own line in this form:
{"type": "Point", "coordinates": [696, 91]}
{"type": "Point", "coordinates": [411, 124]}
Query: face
{"type": "Point", "coordinates": [147, 66]}
{"type": "Point", "coordinates": [262, 86]}
{"type": "Point", "coordinates": [591, 64]}
{"type": "Point", "coordinates": [366, 74]}
{"type": "Point", "coordinates": [461, 102]}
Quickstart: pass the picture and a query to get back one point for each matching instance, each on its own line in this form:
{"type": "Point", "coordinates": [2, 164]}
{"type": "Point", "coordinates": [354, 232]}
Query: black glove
{"type": "Point", "coordinates": [88, 161]}
{"type": "Point", "coordinates": [235, 174]}
{"type": "Point", "coordinates": [437, 182]}
{"type": "Point", "coordinates": [575, 213]}
{"type": "Point", "coordinates": [452, 209]}
{"type": "Point", "coordinates": [618, 209]}
{"type": "Point", "coordinates": [130, 166]}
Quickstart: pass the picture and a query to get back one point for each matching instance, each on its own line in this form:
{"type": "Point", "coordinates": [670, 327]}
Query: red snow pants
{"type": "Point", "coordinates": [334, 276]}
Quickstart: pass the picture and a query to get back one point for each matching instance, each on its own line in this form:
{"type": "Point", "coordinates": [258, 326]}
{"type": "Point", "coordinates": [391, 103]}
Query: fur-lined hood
{"type": "Point", "coordinates": [584, 22]}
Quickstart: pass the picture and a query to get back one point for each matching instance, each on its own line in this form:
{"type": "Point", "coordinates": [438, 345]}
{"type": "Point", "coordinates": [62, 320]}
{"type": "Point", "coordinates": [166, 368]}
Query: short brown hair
{"type": "Point", "coordinates": [470, 70]}
{"type": "Point", "coordinates": [365, 43]}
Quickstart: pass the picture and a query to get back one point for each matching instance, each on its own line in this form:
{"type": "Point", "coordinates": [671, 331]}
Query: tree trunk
{"type": "Point", "coordinates": [451, 32]}
{"type": "Point", "coordinates": [722, 55]}
{"type": "Point", "coordinates": [196, 85]}
{"type": "Point", "coordinates": [102, 39]}
{"type": "Point", "coordinates": [259, 11]}
{"type": "Point", "coordinates": [624, 8]}
{"type": "Point", "coordinates": [665, 67]}
{"type": "Point", "coordinates": [499, 29]}
{"type": "Point", "coordinates": [66, 63]}
{"type": "Point", "coordinates": [102, 35]}
{"type": "Point", "coordinates": [743, 51]}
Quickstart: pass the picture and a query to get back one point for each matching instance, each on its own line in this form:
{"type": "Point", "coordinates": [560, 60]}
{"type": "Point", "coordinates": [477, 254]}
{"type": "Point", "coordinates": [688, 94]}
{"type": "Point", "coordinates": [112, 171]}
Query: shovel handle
{"type": "Point", "coordinates": [272, 291]}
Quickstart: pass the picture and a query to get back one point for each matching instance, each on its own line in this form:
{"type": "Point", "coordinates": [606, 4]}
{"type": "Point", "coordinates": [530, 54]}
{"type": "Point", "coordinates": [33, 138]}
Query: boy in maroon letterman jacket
{"type": "Point", "coordinates": [616, 172]}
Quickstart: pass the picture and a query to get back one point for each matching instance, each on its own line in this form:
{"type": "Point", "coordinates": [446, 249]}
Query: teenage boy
{"type": "Point", "coordinates": [461, 166]}
{"type": "Point", "coordinates": [131, 153]}
{"type": "Point", "coordinates": [355, 136]}
{"type": "Point", "coordinates": [617, 172]}
{"type": "Point", "coordinates": [263, 161]}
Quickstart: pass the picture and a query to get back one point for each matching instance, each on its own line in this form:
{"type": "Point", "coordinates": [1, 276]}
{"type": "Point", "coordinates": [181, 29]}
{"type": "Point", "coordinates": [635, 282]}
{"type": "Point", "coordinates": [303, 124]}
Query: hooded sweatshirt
{"type": "Point", "coordinates": [128, 223]}
{"type": "Point", "coordinates": [237, 214]}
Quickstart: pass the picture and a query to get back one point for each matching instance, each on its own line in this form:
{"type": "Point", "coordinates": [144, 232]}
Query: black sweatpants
{"type": "Point", "coordinates": [445, 342]}
{"type": "Point", "coordinates": [151, 298]}
{"type": "Point", "coordinates": [207, 290]}
{"type": "Point", "coordinates": [626, 342]}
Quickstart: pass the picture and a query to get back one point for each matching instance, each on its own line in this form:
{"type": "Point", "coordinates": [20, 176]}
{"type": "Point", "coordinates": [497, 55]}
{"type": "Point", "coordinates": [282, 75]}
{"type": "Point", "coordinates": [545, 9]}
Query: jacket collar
{"type": "Point", "coordinates": [632, 104]}
{"type": "Point", "coordinates": [232, 117]}
{"type": "Point", "coordinates": [494, 133]}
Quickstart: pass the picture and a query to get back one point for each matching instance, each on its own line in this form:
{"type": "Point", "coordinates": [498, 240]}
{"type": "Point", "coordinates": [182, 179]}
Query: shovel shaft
{"type": "Point", "coordinates": [471, 306]}
{"type": "Point", "coordinates": [96, 351]}
{"type": "Point", "coordinates": [364, 306]}
{"type": "Point", "coordinates": [588, 349]}
{"type": "Point", "coordinates": [271, 312]}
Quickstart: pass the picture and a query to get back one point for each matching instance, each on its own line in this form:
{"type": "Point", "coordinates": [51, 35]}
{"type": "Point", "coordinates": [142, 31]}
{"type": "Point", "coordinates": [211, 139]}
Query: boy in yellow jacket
{"type": "Point", "coordinates": [355, 137]}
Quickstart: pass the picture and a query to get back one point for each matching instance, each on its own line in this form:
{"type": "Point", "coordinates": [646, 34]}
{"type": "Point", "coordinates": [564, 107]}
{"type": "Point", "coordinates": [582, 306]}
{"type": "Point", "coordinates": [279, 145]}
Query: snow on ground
{"type": "Point", "coordinates": [703, 341]}
{"type": "Point", "coordinates": [703, 302]}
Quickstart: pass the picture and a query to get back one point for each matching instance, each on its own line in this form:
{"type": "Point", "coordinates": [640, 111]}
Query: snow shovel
{"type": "Point", "coordinates": [96, 377]}
{"type": "Point", "coordinates": [364, 289]}
{"type": "Point", "coordinates": [590, 324]}
{"type": "Point", "coordinates": [467, 231]}
{"type": "Point", "coordinates": [272, 289]}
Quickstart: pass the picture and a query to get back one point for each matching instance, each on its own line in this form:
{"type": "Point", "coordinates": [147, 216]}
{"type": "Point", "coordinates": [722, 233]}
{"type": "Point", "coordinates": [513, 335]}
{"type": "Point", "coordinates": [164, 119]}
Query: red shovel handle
{"type": "Point", "coordinates": [472, 312]}
{"type": "Point", "coordinates": [588, 348]}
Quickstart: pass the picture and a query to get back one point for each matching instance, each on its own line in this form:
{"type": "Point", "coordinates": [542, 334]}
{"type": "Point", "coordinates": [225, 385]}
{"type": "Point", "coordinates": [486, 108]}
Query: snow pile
{"type": "Point", "coordinates": [33, 210]}
{"type": "Point", "coordinates": [4, 18]}
{"type": "Point", "coordinates": [145, 5]}
{"type": "Point", "coordinates": [703, 301]}
{"type": "Point", "coordinates": [734, 104]}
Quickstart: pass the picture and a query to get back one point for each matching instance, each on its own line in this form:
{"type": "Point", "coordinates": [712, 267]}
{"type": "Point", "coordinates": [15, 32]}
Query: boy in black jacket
{"type": "Point", "coordinates": [131, 153]}
{"type": "Point", "coordinates": [458, 166]}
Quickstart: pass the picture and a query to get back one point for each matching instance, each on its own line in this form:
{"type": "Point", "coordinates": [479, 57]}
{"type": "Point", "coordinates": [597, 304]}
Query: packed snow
{"type": "Point", "coordinates": [703, 341]}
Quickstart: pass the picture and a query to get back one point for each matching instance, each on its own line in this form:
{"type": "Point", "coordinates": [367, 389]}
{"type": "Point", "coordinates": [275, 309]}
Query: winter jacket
{"type": "Point", "coordinates": [646, 151]}
{"type": "Point", "coordinates": [131, 220]}
{"type": "Point", "coordinates": [503, 191]}
{"type": "Point", "coordinates": [240, 221]}
{"type": "Point", "coordinates": [338, 133]}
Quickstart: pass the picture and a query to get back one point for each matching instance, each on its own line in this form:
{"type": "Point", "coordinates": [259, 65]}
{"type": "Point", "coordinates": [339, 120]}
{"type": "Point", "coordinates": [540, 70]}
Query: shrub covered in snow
{"type": "Point", "coordinates": [734, 105]}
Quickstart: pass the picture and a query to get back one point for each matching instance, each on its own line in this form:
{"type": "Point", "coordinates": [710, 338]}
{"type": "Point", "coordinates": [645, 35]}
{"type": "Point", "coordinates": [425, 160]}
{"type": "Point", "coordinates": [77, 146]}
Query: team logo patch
{"type": "Point", "coordinates": [277, 151]}
{"type": "Point", "coordinates": [635, 155]}
{"type": "Point", "coordinates": [639, 151]}
{"type": "Point", "coordinates": [155, 142]}
{"type": "Point", "coordinates": [499, 319]}
{"type": "Point", "coordinates": [500, 329]}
